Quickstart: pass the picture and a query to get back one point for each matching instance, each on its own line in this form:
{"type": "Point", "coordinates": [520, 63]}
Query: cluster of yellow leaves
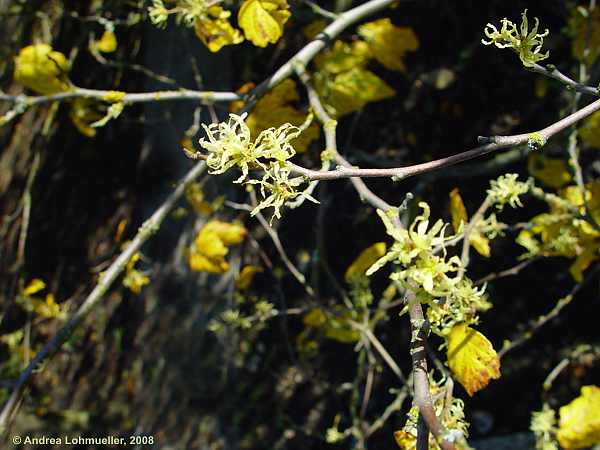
{"type": "Point", "coordinates": [262, 21]}
{"type": "Point", "coordinates": [553, 172]}
{"type": "Point", "coordinates": [207, 253]}
{"type": "Point", "coordinates": [215, 31]}
{"type": "Point", "coordinates": [42, 69]}
{"type": "Point", "coordinates": [472, 358]}
{"type": "Point", "coordinates": [275, 109]}
{"type": "Point", "coordinates": [134, 279]}
{"type": "Point", "coordinates": [342, 79]}
{"type": "Point", "coordinates": [460, 218]}
{"type": "Point", "coordinates": [579, 424]}
{"type": "Point", "coordinates": [560, 233]}
{"type": "Point", "coordinates": [585, 28]}
{"type": "Point", "coordinates": [45, 307]}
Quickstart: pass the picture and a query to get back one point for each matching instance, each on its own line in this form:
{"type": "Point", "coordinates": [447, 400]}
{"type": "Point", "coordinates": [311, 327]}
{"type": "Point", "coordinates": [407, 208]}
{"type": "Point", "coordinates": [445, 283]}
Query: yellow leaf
{"type": "Point", "coordinates": [42, 69]}
{"type": "Point", "coordinates": [334, 325]}
{"type": "Point", "coordinates": [343, 56]}
{"type": "Point", "coordinates": [457, 210]}
{"type": "Point", "coordinates": [277, 108]}
{"type": "Point", "coordinates": [583, 261]}
{"type": "Point", "coordinates": [195, 197]}
{"type": "Point", "coordinates": [48, 308]}
{"type": "Point", "coordinates": [405, 440]}
{"type": "Point", "coordinates": [590, 130]}
{"type": "Point", "coordinates": [389, 43]}
{"type": "Point", "coordinates": [218, 32]}
{"type": "Point", "coordinates": [207, 253]}
{"type": "Point", "coordinates": [83, 113]}
{"type": "Point", "coordinates": [366, 259]}
{"type": "Point", "coordinates": [472, 359]}
{"type": "Point", "coordinates": [246, 276]}
{"type": "Point", "coordinates": [480, 243]}
{"type": "Point", "coordinates": [263, 20]}
{"type": "Point", "coordinates": [579, 424]}
{"type": "Point", "coordinates": [553, 172]}
{"type": "Point", "coordinates": [459, 216]}
{"type": "Point", "coordinates": [314, 28]}
{"type": "Point", "coordinates": [586, 35]}
{"type": "Point", "coordinates": [134, 279]}
{"type": "Point", "coordinates": [34, 286]}
{"type": "Point", "coordinates": [107, 43]}
{"type": "Point", "coordinates": [350, 91]}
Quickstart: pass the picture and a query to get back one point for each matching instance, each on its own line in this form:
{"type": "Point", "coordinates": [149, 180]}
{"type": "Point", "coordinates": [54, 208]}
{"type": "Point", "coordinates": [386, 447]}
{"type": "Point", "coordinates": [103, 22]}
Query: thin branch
{"type": "Point", "coordinates": [552, 72]}
{"type": "Point", "coordinates": [205, 97]}
{"type": "Point", "coordinates": [148, 228]}
{"type": "Point", "coordinates": [491, 144]}
{"type": "Point", "coordinates": [545, 318]}
{"type": "Point", "coordinates": [464, 256]}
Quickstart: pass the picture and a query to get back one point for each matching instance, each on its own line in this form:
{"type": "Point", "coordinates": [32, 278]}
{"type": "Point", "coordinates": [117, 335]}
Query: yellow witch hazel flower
{"type": "Point", "coordinates": [450, 299]}
{"type": "Point", "coordinates": [507, 189]}
{"type": "Point", "coordinates": [527, 44]}
{"type": "Point", "coordinates": [229, 144]}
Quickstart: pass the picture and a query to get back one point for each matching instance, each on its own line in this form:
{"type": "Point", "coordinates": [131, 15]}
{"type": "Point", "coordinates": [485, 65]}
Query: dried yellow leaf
{"type": "Point", "coordinates": [459, 218]}
{"type": "Point", "coordinates": [590, 130]}
{"type": "Point", "coordinates": [42, 69]}
{"type": "Point", "coordinates": [34, 286]}
{"type": "Point", "coordinates": [366, 259]}
{"type": "Point", "coordinates": [553, 172]}
{"type": "Point", "coordinates": [107, 42]}
{"type": "Point", "coordinates": [207, 253]}
{"type": "Point", "coordinates": [246, 276]}
{"type": "Point", "coordinates": [457, 210]}
{"type": "Point", "coordinates": [276, 108]}
{"type": "Point", "coordinates": [583, 261]}
{"type": "Point", "coordinates": [218, 32]}
{"type": "Point", "coordinates": [389, 43]}
{"type": "Point", "coordinates": [472, 358]}
{"type": "Point", "coordinates": [263, 20]}
{"type": "Point", "coordinates": [579, 424]}
{"type": "Point", "coordinates": [350, 91]}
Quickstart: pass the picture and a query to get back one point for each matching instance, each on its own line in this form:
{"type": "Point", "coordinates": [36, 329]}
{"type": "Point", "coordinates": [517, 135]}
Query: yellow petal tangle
{"type": "Point", "coordinates": [472, 359]}
{"type": "Point", "coordinates": [42, 69]}
{"type": "Point", "coordinates": [579, 424]}
{"type": "Point", "coordinates": [263, 20]}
